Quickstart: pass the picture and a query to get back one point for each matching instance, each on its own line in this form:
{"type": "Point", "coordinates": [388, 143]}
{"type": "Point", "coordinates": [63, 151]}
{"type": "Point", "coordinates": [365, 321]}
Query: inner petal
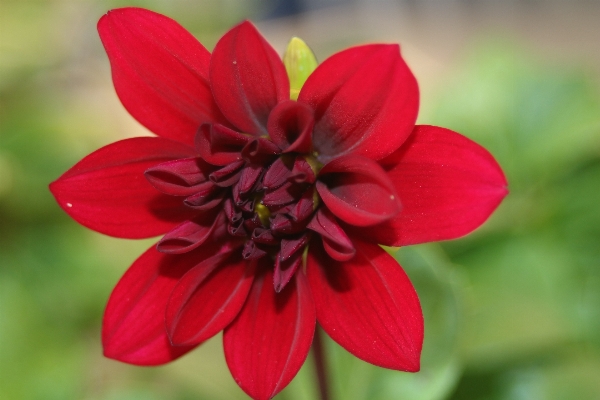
{"type": "Point", "coordinates": [290, 126]}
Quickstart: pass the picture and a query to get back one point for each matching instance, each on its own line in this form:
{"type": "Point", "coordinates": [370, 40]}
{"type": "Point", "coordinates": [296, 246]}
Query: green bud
{"type": "Point", "coordinates": [300, 62]}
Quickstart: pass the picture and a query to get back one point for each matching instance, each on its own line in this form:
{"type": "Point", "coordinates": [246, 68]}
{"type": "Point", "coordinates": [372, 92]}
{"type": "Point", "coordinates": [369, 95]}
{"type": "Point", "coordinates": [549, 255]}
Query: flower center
{"type": "Point", "coordinates": [263, 213]}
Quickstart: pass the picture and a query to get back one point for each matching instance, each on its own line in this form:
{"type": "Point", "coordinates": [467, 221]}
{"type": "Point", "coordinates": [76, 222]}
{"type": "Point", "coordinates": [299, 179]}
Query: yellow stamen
{"type": "Point", "coordinates": [263, 213]}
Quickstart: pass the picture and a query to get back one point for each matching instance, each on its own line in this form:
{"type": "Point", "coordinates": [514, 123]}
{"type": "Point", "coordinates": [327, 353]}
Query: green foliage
{"type": "Point", "coordinates": [531, 325]}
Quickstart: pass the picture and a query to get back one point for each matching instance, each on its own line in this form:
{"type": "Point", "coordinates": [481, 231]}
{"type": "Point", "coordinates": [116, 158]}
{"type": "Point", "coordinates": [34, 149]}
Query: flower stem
{"type": "Point", "coordinates": [320, 366]}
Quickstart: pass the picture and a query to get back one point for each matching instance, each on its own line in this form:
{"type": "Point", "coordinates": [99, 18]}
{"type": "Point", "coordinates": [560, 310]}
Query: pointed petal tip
{"type": "Point", "coordinates": [115, 13]}
{"type": "Point", "coordinates": [415, 367]}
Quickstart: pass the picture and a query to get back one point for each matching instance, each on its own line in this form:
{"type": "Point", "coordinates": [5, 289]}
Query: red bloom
{"type": "Point", "coordinates": [271, 209]}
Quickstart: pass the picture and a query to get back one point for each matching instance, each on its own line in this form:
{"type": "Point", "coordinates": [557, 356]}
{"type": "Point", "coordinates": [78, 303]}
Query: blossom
{"type": "Point", "coordinates": [273, 187]}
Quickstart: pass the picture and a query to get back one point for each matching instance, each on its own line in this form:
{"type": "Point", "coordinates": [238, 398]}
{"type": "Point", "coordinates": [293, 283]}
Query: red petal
{"type": "Point", "coordinates": [278, 173]}
{"type": "Point", "coordinates": [247, 78]}
{"type": "Point", "coordinates": [284, 270]}
{"type": "Point", "coordinates": [262, 235]}
{"type": "Point", "coordinates": [358, 191]}
{"type": "Point", "coordinates": [368, 306]}
{"type": "Point", "coordinates": [282, 224]}
{"type": "Point", "coordinates": [335, 241]}
{"type": "Point", "coordinates": [260, 151]}
{"type": "Point", "coordinates": [285, 194]}
{"type": "Point", "coordinates": [160, 72]}
{"type": "Point", "coordinates": [208, 298]}
{"type": "Point", "coordinates": [365, 100]}
{"type": "Point", "coordinates": [206, 199]}
{"type": "Point", "coordinates": [290, 126]}
{"type": "Point", "coordinates": [107, 192]}
{"type": "Point", "coordinates": [304, 207]}
{"type": "Point", "coordinates": [292, 245]}
{"type": "Point", "coordinates": [302, 171]}
{"type": "Point", "coordinates": [268, 342]}
{"type": "Point", "coordinates": [133, 329]}
{"type": "Point", "coordinates": [448, 186]}
{"type": "Point", "coordinates": [227, 175]}
{"type": "Point", "coordinates": [182, 177]}
{"type": "Point", "coordinates": [253, 251]}
{"type": "Point", "coordinates": [190, 234]}
{"type": "Point", "coordinates": [220, 145]}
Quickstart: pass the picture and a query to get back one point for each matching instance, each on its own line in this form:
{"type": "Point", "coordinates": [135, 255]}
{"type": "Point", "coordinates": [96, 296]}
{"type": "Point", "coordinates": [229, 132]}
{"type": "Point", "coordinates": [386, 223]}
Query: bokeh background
{"type": "Point", "coordinates": [512, 311]}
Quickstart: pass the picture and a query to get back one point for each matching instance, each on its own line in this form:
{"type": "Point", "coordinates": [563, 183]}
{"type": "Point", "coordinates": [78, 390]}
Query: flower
{"type": "Point", "coordinates": [273, 184]}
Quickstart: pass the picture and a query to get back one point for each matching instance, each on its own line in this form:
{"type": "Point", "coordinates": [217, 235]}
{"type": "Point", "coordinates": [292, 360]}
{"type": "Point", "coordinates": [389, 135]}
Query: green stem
{"type": "Point", "coordinates": [320, 365]}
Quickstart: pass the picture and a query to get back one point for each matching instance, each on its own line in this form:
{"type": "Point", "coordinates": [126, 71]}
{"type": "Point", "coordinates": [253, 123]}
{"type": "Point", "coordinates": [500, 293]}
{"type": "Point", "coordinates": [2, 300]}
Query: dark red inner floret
{"type": "Point", "coordinates": [257, 192]}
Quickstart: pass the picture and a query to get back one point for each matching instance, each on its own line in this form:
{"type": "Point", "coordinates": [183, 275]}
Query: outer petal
{"type": "Point", "coordinates": [368, 306]}
{"type": "Point", "coordinates": [448, 186]}
{"type": "Point", "coordinates": [268, 342]}
{"type": "Point", "coordinates": [160, 72]}
{"type": "Point", "coordinates": [133, 329]}
{"type": "Point", "coordinates": [358, 191]}
{"type": "Point", "coordinates": [208, 298]}
{"type": "Point", "coordinates": [248, 78]}
{"type": "Point", "coordinates": [365, 100]}
{"type": "Point", "coordinates": [107, 191]}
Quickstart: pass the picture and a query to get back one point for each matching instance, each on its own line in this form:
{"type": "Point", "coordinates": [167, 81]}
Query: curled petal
{"type": "Point", "coordinates": [252, 251]}
{"type": "Point", "coordinates": [267, 343]}
{"type": "Point", "coordinates": [237, 229]}
{"type": "Point", "coordinates": [335, 241]}
{"type": "Point", "coordinates": [190, 234]}
{"type": "Point", "coordinates": [160, 72]}
{"type": "Point", "coordinates": [368, 306]}
{"type": "Point", "coordinates": [106, 190]}
{"type": "Point", "coordinates": [302, 172]}
{"type": "Point", "coordinates": [290, 127]}
{"type": "Point", "coordinates": [357, 191]}
{"type": "Point", "coordinates": [260, 151]}
{"type": "Point", "coordinates": [247, 78]}
{"type": "Point", "coordinates": [133, 329]}
{"type": "Point", "coordinates": [365, 101]}
{"type": "Point", "coordinates": [207, 298]}
{"type": "Point", "coordinates": [206, 199]}
{"type": "Point", "coordinates": [448, 185]}
{"type": "Point", "coordinates": [180, 177]}
{"type": "Point", "coordinates": [265, 236]}
{"type": "Point", "coordinates": [228, 175]}
{"type": "Point", "coordinates": [252, 223]}
{"type": "Point", "coordinates": [248, 205]}
{"type": "Point", "coordinates": [220, 145]}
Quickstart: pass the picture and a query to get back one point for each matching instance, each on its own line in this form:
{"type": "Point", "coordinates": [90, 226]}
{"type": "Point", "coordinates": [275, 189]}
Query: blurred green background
{"type": "Point", "coordinates": [512, 311]}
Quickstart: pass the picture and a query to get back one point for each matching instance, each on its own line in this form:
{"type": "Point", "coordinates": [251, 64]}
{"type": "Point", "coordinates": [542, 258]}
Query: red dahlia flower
{"type": "Point", "coordinates": [272, 199]}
